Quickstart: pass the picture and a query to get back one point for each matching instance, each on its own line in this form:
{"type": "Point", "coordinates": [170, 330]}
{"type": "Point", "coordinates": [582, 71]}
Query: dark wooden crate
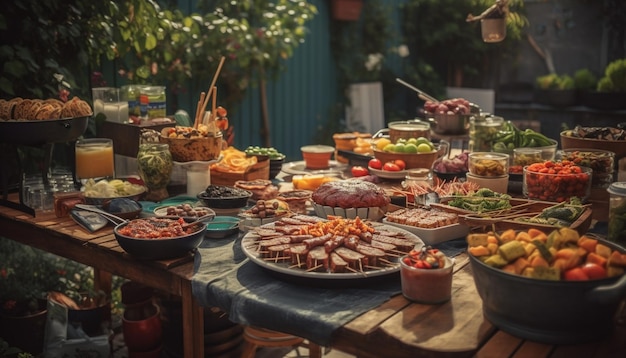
{"type": "Point", "coordinates": [126, 136]}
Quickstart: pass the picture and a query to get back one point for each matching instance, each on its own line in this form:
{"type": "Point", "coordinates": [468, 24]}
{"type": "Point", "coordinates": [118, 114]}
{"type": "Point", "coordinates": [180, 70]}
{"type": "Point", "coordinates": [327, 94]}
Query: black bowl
{"type": "Point", "coordinates": [276, 165]}
{"type": "Point", "coordinates": [554, 312]}
{"type": "Point", "coordinates": [230, 198]}
{"type": "Point", "coordinates": [163, 248]}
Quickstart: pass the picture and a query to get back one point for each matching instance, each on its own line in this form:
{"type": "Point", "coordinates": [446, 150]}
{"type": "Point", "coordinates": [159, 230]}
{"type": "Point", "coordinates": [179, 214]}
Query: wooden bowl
{"type": "Point", "coordinates": [616, 146]}
{"type": "Point", "coordinates": [193, 149]}
{"type": "Point", "coordinates": [412, 160]}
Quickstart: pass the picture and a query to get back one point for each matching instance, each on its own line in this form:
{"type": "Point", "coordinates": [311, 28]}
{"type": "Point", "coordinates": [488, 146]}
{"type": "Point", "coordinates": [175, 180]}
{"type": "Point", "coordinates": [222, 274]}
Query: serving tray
{"type": "Point", "coordinates": [505, 219]}
{"type": "Point", "coordinates": [249, 247]}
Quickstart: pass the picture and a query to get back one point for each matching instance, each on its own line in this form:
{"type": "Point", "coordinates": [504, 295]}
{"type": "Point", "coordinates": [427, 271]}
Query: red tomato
{"type": "Point", "coordinates": [400, 163]}
{"type": "Point", "coordinates": [575, 274]}
{"type": "Point", "coordinates": [358, 171]}
{"type": "Point", "coordinates": [391, 167]}
{"type": "Point", "coordinates": [594, 271]}
{"type": "Point", "coordinates": [375, 163]}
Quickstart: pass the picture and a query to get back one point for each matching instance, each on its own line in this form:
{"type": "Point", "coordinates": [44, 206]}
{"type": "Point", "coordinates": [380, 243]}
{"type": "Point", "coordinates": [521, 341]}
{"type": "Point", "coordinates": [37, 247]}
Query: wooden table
{"type": "Point", "coordinates": [100, 250]}
{"type": "Point", "coordinates": [397, 328]}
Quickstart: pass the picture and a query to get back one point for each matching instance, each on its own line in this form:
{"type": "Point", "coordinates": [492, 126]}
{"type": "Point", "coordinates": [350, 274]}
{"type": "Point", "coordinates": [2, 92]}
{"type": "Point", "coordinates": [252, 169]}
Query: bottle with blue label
{"type": "Point", "coordinates": [152, 102]}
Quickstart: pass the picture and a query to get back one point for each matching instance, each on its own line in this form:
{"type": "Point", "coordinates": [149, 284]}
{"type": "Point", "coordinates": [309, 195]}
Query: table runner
{"type": "Point", "coordinates": [224, 277]}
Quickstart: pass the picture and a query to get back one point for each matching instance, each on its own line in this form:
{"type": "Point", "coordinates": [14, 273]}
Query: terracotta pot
{"type": "Point", "coordinates": [143, 335]}
{"type": "Point", "coordinates": [346, 10]}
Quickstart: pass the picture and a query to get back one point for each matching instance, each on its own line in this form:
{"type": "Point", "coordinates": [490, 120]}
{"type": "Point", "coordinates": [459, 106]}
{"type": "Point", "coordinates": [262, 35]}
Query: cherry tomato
{"type": "Point", "coordinates": [375, 163]}
{"type": "Point", "coordinates": [358, 171]}
{"type": "Point", "coordinates": [575, 274]}
{"type": "Point", "coordinates": [391, 167]}
{"type": "Point", "coordinates": [400, 163]}
{"type": "Point", "coordinates": [594, 271]}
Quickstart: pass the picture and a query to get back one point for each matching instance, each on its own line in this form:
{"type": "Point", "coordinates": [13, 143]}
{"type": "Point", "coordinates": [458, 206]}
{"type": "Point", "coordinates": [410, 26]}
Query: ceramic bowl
{"type": "Point", "coordinates": [222, 226]}
{"type": "Point", "coordinates": [276, 166]}
{"type": "Point", "coordinates": [224, 197]}
{"type": "Point", "coordinates": [123, 207]}
{"type": "Point", "coordinates": [317, 156]}
{"type": "Point", "coordinates": [498, 184]}
{"type": "Point", "coordinates": [100, 201]}
{"type": "Point", "coordinates": [161, 248]}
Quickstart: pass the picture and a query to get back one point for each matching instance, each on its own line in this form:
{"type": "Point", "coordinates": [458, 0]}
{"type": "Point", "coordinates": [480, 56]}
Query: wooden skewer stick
{"type": "Point", "coordinates": [314, 268]}
{"type": "Point", "coordinates": [198, 117]}
{"type": "Point", "coordinates": [219, 69]}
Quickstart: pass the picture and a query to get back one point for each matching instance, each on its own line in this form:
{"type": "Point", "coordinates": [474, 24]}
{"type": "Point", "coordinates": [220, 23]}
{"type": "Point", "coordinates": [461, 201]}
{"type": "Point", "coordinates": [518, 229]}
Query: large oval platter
{"type": "Point", "coordinates": [250, 245]}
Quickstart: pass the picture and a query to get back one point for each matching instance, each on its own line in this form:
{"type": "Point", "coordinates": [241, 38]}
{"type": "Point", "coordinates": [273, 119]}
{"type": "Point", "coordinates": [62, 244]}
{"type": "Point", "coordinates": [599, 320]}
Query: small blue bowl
{"type": "Point", "coordinates": [222, 226]}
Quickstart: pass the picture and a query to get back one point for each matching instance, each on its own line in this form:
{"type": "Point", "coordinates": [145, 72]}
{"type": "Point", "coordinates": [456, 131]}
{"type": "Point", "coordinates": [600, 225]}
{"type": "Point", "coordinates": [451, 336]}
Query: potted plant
{"type": "Point", "coordinates": [610, 91]}
{"type": "Point", "coordinates": [493, 21]}
{"type": "Point", "coordinates": [555, 90]}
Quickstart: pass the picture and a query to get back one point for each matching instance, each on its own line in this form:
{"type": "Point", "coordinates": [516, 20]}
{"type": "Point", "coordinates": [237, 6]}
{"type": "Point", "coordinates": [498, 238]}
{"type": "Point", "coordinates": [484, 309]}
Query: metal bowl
{"type": "Point", "coordinates": [451, 124]}
{"type": "Point", "coordinates": [162, 248]}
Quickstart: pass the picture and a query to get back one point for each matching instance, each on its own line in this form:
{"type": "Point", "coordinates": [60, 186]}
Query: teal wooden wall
{"type": "Point", "coordinates": [300, 101]}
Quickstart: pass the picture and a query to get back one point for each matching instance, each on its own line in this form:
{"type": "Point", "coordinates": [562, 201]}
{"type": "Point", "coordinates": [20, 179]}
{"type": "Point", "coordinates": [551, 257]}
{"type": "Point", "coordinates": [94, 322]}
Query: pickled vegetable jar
{"type": "Point", "coordinates": [617, 213]}
{"type": "Point", "coordinates": [155, 163]}
{"type": "Point", "coordinates": [483, 130]}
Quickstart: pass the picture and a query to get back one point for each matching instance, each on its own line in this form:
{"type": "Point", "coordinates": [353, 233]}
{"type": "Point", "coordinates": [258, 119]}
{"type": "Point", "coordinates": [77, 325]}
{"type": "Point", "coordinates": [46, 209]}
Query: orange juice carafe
{"type": "Point", "coordinates": [95, 158]}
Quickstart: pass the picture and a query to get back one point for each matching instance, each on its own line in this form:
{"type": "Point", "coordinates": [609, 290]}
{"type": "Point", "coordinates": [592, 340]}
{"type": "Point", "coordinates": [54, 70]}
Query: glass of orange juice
{"type": "Point", "coordinates": [94, 158]}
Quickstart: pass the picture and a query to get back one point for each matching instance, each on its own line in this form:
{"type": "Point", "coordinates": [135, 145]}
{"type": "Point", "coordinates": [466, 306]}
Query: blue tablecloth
{"type": "Point", "coordinates": [225, 278]}
{"type": "Point", "coordinates": [252, 295]}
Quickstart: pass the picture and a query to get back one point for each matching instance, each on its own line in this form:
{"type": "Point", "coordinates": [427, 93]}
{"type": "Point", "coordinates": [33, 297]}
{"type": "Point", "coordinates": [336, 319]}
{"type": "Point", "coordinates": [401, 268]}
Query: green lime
{"type": "Point", "coordinates": [399, 148]}
{"type": "Point", "coordinates": [412, 141]}
{"type": "Point", "coordinates": [424, 148]}
{"type": "Point", "coordinates": [401, 141]}
{"type": "Point", "coordinates": [410, 148]}
{"type": "Point", "coordinates": [422, 140]}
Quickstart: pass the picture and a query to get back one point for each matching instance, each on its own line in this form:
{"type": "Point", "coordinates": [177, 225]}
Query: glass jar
{"type": "Point", "coordinates": [154, 162]}
{"type": "Point", "coordinates": [617, 213]}
{"type": "Point", "coordinates": [482, 131]}
{"type": "Point", "coordinates": [419, 182]}
{"type": "Point", "coordinates": [152, 102]}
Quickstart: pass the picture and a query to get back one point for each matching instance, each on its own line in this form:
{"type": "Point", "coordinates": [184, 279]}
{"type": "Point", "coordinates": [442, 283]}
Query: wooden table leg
{"type": "Point", "coordinates": [103, 281]}
{"type": "Point", "coordinates": [193, 323]}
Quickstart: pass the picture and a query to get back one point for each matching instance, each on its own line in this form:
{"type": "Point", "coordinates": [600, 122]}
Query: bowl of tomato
{"type": "Point", "coordinates": [556, 181]}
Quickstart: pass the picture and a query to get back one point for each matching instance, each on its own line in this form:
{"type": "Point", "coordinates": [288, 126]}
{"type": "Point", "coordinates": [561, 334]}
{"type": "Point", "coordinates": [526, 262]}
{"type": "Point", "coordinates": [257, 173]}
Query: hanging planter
{"type": "Point", "coordinates": [493, 21]}
{"type": "Point", "coordinates": [346, 10]}
{"type": "Point", "coordinates": [493, 30]}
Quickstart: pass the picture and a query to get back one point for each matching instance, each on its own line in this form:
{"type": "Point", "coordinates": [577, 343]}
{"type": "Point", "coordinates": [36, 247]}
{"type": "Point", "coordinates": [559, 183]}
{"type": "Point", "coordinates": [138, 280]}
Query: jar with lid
{"type": "Point", "coordinates": [155, 163]}
{"type": "Point", "coordinates": [617, 213]}
{"type": "Point", "coordinates": [483, 130]}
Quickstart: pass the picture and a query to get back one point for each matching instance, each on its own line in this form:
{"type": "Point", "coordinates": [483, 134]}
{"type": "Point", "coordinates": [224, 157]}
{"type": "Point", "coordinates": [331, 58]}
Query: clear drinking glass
{"type": "Point", "coordinates": [95, 159]}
